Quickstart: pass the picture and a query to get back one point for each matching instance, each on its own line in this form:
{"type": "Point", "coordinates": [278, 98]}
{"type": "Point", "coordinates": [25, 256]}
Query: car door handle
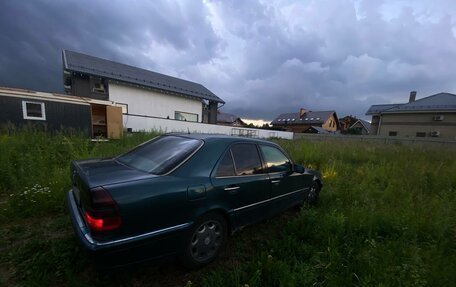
{"type": "Point", "coordinates": [232, 188]}
{"type": "Point", "coordinates": [275, 181]}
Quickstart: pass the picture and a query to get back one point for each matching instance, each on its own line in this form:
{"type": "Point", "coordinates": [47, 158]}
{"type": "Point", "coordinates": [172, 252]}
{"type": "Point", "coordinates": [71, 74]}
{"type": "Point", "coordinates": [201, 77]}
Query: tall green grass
{"type": "Point", "coordinates": [386, 217]}
{"type": "Point", "coordinates": [34, 167]}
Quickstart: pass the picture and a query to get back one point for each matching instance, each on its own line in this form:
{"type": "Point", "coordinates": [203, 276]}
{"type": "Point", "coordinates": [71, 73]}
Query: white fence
{"type": "Point", "coordinates": [145, 123]}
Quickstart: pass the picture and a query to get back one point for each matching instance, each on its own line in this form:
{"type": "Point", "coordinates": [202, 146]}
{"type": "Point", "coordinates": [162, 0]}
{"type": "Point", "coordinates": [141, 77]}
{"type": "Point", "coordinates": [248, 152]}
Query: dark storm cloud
{"type": "Point", "coordinates": [33, 34]}
{"type": "Point", "coordinates": [262, 57]}
{"type": "Point", "coordinates": [334, 55]}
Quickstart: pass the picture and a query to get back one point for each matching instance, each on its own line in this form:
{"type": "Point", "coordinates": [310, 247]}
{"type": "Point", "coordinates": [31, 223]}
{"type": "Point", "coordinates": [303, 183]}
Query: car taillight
{"type": "Point", "coordinates": [103, 214]}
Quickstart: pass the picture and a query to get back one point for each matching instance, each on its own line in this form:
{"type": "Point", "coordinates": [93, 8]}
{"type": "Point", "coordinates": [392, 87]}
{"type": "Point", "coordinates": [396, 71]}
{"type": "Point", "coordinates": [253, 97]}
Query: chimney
{"type": "Point", "coordinates": [412, 96]}
{"type": "Point", "coordinates": [302, 111]}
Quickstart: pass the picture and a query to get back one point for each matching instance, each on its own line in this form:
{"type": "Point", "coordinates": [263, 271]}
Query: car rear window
{"type": "Point", "coordinates": [160, 155]}
{"type": "Point", "coordinates": [226, 167]}
{"type": "Point", "coordinates": [246, 159]}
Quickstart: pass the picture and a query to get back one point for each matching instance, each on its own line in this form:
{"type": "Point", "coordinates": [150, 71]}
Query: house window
{"type": "Point", "coordinates": [33, 111]}
{"type": "Point", "coordinates": [98, 88]}
{"type": "Point", "coordinates": [181, 116]}
{"type": "Point", "coordinates": [392, 133]}
{"type": "Point", "coordinates": [420, 135]}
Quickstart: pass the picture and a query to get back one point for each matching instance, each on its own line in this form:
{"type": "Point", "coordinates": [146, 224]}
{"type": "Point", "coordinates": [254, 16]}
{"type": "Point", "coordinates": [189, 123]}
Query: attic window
{"type": "Point", "coordinates": [98, 88]}
{"type": "Point", "coordinates": [307, 119]}
{"type": "Point", "coordinates": [311, 119]}
{"type": "Point", "coordinates": [293, 120]}
{"type": "Point", "coordinates": [33, 111]}
{"type": "Point", "coordinates": [279, 120]}
{"type": "Point", "coordinates": [288, 119]}
{"type": "Point", "coordinates": [318, 119]}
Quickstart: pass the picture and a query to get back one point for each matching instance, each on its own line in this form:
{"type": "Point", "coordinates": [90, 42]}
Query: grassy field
{"type": "Point", "coordinates": [387, 217]}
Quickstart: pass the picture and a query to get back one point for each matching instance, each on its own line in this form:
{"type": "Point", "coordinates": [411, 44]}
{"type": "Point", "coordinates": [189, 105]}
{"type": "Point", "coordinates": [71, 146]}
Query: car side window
{"type": "Point", "coordinates": [275, 160]}
{"type": "Point", "coordinates": [246, 159]}
{"type": "Point", "coordinates": [226, 166]}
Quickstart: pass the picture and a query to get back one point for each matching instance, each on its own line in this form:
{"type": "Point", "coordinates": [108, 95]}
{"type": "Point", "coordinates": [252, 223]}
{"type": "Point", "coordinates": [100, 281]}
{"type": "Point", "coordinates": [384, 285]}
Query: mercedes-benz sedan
{"type": "Point", "coordinates": [181, 194]}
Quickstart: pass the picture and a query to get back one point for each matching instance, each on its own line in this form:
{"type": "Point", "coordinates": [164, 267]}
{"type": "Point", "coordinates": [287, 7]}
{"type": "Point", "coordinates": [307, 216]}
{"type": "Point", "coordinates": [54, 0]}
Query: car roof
{"type": "Point", "coordinates": [220, 138]}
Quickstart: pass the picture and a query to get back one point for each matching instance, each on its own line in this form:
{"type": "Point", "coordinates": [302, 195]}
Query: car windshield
{"type": "Point", "coordinates": [160, 155]}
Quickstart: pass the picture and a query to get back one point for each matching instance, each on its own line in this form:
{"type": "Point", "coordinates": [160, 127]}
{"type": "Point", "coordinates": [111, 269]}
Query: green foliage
{"type": "Point", "coordinates": [34, 168]}
{"type": "Point", "coordinates": [386, 217]}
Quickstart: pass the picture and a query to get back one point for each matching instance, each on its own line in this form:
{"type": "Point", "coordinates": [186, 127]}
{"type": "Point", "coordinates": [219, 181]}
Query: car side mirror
{"type": "Point", "coordinates": [298, 168]}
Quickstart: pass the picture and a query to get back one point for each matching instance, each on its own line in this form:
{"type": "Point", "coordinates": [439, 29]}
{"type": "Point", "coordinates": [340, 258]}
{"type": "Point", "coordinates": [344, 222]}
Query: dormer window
{"type": "Point", "coordinates": [98, 88]}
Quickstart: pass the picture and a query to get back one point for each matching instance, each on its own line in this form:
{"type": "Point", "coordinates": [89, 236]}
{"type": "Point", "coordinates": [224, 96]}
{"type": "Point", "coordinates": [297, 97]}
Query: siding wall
{"type": "Point", "coordinates": [58, 114]}
{"type": "Point", "coordinates": [407, 125]}
{"type": "Point", "coordinates": [150, 103]}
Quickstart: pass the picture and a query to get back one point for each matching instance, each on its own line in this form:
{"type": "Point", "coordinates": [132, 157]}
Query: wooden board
{"type": "Point", "coordinates": [114, 122]}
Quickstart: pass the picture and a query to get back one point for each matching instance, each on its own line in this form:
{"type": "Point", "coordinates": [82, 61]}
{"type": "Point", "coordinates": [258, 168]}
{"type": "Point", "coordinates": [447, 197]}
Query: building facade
{"type": "Point", "coordinates": [304, 120]}
{"type": "Point", "coordinates": [141, 93]}
{"type": "Point", "coordinates": [433, 116]}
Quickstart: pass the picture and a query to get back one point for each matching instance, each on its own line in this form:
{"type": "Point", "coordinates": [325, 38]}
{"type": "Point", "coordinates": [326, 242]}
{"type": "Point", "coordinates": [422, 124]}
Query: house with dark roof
{"type": "Point", "coordinates": [346, 122]}
{"type": "Point", "coordinates": [140, 92]}
{"type": "Point", "coordinates": [227, 119]}
{"type": "Point", "coordinates": [360, 127]}
{"type": "Point", "coordinates": [433, 116]}
{"type": "Point", "coordinates": [304, 120]}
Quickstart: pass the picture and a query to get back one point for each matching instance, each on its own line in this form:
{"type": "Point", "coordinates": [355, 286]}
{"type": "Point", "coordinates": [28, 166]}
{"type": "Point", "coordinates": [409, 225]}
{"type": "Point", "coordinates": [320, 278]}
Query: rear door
{"type": "Point", "coordinates": [241, 179]}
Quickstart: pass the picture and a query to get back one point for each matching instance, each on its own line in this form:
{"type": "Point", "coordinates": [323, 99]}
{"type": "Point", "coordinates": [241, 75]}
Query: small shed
{"type": "Point", "coordinates": [52, 112]}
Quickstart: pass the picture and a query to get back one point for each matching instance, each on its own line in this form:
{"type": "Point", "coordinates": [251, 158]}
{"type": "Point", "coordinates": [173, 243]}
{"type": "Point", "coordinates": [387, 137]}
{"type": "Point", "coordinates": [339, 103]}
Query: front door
{"type": "Point", "coordinates": [286, 186]}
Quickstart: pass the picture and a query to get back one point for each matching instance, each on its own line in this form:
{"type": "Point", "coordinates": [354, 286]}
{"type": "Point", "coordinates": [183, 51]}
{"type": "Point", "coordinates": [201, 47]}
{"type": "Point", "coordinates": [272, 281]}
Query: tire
{"type": "Point", "coordinates": [204, 241]}
{"type": "Point", "coordinates": [314, 193]}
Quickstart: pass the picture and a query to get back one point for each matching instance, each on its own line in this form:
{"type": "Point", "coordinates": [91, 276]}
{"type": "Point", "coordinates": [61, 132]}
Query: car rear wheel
{"type": "Point", "coordinates": [314, 193]}
{"type": "Point", "coordinates": [204, 241]}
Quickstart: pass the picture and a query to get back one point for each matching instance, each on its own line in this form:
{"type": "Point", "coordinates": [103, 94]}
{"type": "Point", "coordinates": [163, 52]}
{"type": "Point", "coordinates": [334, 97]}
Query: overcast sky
{"type": "Point", "coordinates": [262, 57]}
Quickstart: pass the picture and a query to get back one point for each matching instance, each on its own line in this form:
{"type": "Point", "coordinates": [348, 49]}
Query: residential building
{"type": "Point", "coordinates": [141, 93]}
{"type": "Point", "coordinates": [346, 122]}
{"type": "Point", "coordinates": [360, 127]}
{"type": "Point", "coordinates": [229, 120]}
{"type": "Point", "coordinates": [433, 116]}
{"type": "Point", "coordinates": [301, 121]}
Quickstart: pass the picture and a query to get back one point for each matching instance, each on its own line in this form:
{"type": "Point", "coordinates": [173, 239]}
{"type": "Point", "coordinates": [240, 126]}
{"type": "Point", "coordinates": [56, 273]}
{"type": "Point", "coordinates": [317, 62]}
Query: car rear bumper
{"type": "Point", "coordinates": [128, 250]}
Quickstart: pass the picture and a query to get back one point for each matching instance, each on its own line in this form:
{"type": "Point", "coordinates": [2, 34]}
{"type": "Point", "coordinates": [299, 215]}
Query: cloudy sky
{"type": "Point", "coordinates": [262, 57]}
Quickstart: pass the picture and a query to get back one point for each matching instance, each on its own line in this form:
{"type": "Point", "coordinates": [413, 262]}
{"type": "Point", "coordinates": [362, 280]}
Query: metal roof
{"type": "Point", "coordinates": [310, 118]}
{"type": "Point", "coordinates": [437, 102]}
{"type": "Point", "coordinates": [376, 109]}
{"type": "Point", "coordinates": [86, 64]}
{"type": "Point", "coordinates": [319, 130]}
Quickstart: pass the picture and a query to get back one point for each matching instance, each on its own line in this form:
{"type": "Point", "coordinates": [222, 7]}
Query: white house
{"type": "Point", "coordinates": [140, 92]}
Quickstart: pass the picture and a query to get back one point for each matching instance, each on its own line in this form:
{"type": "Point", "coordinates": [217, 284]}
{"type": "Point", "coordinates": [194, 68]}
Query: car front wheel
{"type": "Point", "coordinates": [204, 241]}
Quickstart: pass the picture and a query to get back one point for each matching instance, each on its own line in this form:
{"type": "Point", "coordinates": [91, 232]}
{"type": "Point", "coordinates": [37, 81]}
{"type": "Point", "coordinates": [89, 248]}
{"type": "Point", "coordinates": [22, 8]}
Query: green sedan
{"type": "Point", "coordinates": [181, 195]}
